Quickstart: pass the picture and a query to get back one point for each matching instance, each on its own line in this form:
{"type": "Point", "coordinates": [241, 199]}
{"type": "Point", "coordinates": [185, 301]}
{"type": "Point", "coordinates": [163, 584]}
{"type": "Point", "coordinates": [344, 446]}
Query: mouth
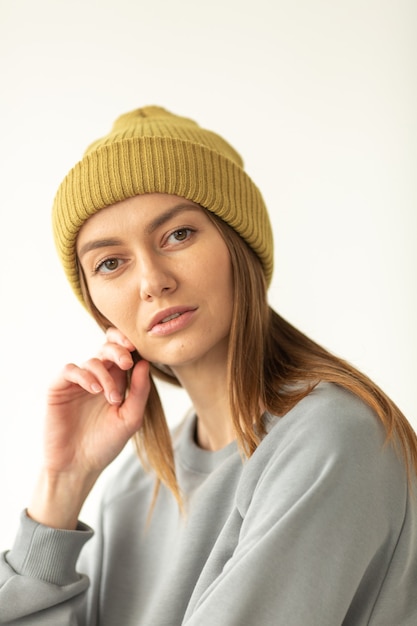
{"type": "Point", "coordinates": [169, 315]}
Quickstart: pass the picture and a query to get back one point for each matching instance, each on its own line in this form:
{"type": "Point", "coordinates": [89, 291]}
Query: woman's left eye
{"type": "Point", "coordinates": [179, 235]}
{"type": "Point", "coordinates": [107, 266]}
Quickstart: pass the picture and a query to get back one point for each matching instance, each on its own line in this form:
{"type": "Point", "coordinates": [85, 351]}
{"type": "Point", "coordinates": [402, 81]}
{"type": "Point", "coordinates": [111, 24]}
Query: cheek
{"type": "Point", "coordinates": [218, 283]}
{"type": "Point", "coordinates": [112, 305]}
{"type": "Point", "coordinates": [223, 272]}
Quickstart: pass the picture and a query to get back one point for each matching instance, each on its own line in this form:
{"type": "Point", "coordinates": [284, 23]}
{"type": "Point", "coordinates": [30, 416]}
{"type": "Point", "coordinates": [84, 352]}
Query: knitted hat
{"type": "Point", "coordinates": [151, 150]}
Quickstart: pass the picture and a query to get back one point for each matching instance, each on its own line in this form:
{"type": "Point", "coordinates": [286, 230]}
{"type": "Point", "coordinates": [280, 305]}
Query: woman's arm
{"type": "Point", "coordinates": [88, 422]}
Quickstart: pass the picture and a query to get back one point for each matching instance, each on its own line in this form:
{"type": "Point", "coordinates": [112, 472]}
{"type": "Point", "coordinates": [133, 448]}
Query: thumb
{"type": "Point", "coordinates": [133, 407]}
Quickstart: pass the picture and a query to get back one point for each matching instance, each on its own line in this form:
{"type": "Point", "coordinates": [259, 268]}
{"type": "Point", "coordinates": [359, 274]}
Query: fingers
{"type": "Point", "coordinates": [105, 373]}
{"type": "Point", "coordinates": [117, 354]}
{"type": "Point", "coordinates": [114, 335]}
{"type": "Point", "coordinates": [94, 377]}
{"type": "Point", "coordinates": [117, 349]}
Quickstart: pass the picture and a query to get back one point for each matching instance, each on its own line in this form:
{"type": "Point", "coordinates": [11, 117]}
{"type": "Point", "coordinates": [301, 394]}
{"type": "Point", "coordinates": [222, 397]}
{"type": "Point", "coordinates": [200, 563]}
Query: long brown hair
{"type": "Point", "coordinates": [271, 367]}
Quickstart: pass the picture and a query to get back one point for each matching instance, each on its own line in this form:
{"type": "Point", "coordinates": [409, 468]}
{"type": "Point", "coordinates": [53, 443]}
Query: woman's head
{"type": "Point", "coordinates": [153, 151]}
{"type": "Point", "coordinates": [189, 258]}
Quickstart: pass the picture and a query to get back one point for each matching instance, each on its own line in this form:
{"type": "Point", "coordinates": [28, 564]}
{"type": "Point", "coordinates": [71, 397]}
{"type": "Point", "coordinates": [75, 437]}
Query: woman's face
{"type": "Point", "coordinates": [158, 269]}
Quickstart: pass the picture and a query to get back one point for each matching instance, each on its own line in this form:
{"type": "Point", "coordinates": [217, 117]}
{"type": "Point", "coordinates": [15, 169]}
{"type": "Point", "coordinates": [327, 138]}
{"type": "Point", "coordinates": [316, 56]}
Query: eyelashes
{"type": "Point", "coordinates": [181, 234]}
{"type": "Point", "coordinates": [107, 266]}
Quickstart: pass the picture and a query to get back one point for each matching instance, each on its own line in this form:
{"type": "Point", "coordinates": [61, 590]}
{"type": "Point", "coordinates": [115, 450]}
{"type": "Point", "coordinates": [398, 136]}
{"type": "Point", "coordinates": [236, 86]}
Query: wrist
{"type": "Point", "coordinates": [58, 498]}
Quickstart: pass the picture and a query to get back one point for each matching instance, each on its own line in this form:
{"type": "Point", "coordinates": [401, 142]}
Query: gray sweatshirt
{"type": "Point", "coordinates": [317, 528]}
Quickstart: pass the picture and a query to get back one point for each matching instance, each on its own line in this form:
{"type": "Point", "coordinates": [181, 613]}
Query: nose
{"type": "Point", "coordinates": [155, 278]}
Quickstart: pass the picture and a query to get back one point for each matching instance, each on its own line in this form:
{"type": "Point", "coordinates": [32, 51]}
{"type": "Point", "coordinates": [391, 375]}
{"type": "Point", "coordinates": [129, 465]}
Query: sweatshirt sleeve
{"type": "Point", "coordinates": [39, 583]}
{"type": "Point", "coordinates": [319, 512]}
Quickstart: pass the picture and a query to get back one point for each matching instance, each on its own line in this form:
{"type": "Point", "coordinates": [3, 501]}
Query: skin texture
{"type": "Point", "coordinates": [144, 259]}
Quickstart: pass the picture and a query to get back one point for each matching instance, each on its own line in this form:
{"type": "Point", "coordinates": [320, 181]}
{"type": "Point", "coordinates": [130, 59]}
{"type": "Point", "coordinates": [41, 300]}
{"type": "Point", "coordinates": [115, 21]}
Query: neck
{"type": "Point", "coordinates": [208, 389]}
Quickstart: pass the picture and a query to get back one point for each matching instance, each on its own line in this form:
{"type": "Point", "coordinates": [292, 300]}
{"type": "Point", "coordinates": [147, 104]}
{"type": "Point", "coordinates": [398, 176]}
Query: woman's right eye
{"type": "Point", "coordinates": [107, 266]}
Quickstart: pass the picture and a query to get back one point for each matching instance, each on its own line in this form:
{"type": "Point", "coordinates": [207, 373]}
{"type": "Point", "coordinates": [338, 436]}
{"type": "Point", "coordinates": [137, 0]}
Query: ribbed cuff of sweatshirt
{"type": "Point", "coordinates": [47, 553]}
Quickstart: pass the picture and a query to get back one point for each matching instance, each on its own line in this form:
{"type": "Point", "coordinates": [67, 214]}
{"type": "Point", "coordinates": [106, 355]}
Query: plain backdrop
{"type": "Point", "coordinates": [319, 97]}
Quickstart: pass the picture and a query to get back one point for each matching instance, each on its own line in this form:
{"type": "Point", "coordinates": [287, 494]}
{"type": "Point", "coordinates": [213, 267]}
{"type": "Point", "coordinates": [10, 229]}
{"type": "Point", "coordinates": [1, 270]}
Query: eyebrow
{"type": "Point", "coordinates": [98, 243]}
{"type": "Point", "coordinates": [150, 228]}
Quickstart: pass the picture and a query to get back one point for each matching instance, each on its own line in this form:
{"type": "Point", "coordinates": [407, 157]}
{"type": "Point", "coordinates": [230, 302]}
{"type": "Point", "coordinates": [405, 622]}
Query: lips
{"type": "Point", "coordinates": [165, 316]}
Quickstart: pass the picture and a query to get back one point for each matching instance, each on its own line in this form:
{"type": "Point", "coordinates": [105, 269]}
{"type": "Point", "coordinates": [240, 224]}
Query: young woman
{"type": "Point", "coordinates": [287, 495]}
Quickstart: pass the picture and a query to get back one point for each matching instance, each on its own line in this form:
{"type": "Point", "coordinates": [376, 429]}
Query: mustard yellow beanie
{"type": "Point", "coordinates": [151, 150]}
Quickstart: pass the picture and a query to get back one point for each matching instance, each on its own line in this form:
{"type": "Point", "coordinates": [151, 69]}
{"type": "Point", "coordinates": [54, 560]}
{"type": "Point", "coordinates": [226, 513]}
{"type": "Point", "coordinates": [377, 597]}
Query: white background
{"type": "Point", "coordinates": [320, 98]}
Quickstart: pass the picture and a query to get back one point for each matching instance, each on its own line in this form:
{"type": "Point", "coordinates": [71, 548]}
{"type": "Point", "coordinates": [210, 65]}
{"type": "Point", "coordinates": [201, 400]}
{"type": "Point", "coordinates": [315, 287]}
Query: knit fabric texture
{"type": "Point", "coordinates": [152, 150]}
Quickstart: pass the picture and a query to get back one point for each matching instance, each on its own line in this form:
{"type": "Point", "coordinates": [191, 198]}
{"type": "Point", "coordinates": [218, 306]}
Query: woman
{"type": "Point", "coordinates": [286, 496]}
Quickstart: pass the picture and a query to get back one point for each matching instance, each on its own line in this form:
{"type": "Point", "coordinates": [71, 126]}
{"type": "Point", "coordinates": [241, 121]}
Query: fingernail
{"type": "Point", "coordinates": [115, 397]}
{"type": "Point", "coordinates": [96, 388]}
{"type": "Point", "coordinates": [125, 361]}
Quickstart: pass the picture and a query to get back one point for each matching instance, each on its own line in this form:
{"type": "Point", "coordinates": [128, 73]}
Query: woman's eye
{"type": "Point", "coordinates": [179, 235]}
{"type": "Point", "coordinates": [107, 266]}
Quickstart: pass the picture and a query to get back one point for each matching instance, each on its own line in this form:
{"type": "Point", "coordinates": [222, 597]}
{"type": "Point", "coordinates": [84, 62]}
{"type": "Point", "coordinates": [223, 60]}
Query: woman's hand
{"type": "Point", "coordinates": [89, 419]}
